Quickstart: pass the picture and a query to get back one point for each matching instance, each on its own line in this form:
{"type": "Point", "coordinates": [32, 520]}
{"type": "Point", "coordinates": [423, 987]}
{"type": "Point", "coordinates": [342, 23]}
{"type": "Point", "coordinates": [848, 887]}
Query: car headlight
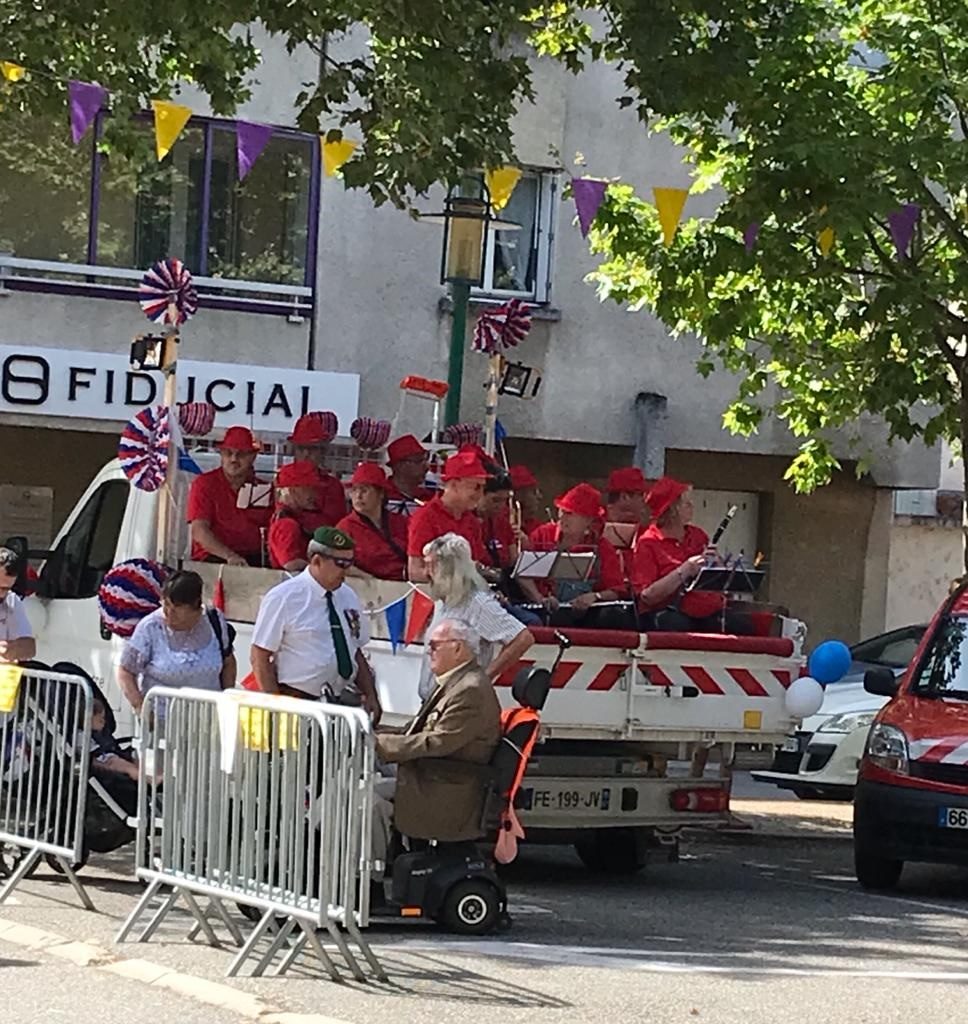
{"type": "Point", "coordinates": [848, 722]}
{"type": "Point", "coordinates": [887, 748]}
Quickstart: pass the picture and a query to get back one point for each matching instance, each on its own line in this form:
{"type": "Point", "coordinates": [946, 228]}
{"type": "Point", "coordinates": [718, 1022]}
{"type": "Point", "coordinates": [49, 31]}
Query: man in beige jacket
{"type": "Point", "coordinates": [443, 754]}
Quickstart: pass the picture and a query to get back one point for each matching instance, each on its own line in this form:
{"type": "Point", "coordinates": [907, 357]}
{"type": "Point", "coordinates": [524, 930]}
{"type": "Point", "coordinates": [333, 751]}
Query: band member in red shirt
{"type": "Point", "coordinates": [452, 511]}
{"type": "Point", "coordinates": [408, 460]}
{"type": "Point", "coordinates": [291, 529]}
{"type": "Point", "coordinates": [625, 512]}
{"type": "Point", "coordinates": [380, 535]}
{"type": "Point", "coordinates": [578, 530]}
{"type": "Point", "coordinates": [668, 556]}
{"type": "Point", "coordinates": [221, 531]}
{"type": "Point", "coordinates": [527, 494]}
{"type": "Point", "coordinates": [499, 540]}
{"type": "Point", "coordinates": [309, 439]}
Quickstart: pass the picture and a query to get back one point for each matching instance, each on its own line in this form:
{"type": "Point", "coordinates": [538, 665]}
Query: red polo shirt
{"type": "Point", "coordinates": [434, 520]}
{"type": "Point", "coordinates": [498, 539]}
{"type": "Point", "coordinates": [381, 549]}
{"type": "Point", "coordinates": [289, 536]}
{"type": "Point", "coordinates": [213, 499]}
{"type": "Point", "coordinates": [330, 502]}
{"type": "Point", "coordinates": [656, 555]}
{"type": "Point", "coordinates": [609, 568]}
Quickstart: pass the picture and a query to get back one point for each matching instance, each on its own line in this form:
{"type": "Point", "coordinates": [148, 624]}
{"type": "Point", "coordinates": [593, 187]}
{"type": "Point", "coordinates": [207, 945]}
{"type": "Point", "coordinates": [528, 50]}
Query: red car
{"type": "Point", "coordinates": [911, 800]}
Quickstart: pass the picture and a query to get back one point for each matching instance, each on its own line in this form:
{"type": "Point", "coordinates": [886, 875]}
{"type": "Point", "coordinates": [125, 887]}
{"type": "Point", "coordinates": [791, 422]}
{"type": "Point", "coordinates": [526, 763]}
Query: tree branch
{"type": "Point", "coordinates": [950, 224]}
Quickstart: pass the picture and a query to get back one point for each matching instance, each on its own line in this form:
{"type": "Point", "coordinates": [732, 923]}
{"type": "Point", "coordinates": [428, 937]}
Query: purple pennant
{"type": "Point", "coordinates": [588, 194]}
{"type": "Point", "coordinates": [902, 223]}
{"type": "Point", "coordinates": [750, 235]}
{"type": "Point", "coordinates": [250, 140]}
{"type": "Point", "coordinates": [86, 99]}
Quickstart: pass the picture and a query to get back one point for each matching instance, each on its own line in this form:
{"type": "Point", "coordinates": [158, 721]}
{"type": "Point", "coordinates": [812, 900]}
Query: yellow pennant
{"type": "Point", "coordinates": [170, 120]}
{"type": "Point", "coordinates": [826, 240]}
{"type": "Point", "coordinates": [336, 153]}
{"type": "Point", "coordinates": [12, 72]}
{"type": "Point", "coordinates": [501, 184]}
{"type": "Point", "coordinates": [9, 686]}
{"type": "Point", "coordinates": [670, 203]}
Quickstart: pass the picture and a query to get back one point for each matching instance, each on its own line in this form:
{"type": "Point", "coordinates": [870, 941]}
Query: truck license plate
{"type": "Point", "coordinates": [953, 817]}
{"type": "Point", "coordinates": [565, 799]}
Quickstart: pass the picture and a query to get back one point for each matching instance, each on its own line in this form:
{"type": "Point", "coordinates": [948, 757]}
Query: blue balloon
{"type": "Point", "coordinates": [829, 662]}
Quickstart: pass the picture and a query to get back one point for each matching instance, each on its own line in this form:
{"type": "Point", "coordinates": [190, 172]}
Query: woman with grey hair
{"type": "Point", "coordinates": [460, 593]}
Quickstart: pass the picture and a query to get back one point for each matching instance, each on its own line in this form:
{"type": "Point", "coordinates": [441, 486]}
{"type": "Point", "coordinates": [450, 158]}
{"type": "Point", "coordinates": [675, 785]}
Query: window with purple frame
{"type": "Point", "coordinates": [70, 204]}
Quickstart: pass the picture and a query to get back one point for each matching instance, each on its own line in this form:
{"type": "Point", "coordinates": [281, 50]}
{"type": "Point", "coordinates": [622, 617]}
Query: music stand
{"type": "Point", "coordinates": [733, 579]}
{"type": "Point", "coordinates": [555, 565]}
{"type": "Point", "coordinates": [621, 535]}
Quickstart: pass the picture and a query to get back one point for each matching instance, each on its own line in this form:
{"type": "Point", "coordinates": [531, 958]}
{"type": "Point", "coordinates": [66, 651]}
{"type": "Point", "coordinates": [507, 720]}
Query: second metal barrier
{"type": "Point", "coordinates": [264, 802]}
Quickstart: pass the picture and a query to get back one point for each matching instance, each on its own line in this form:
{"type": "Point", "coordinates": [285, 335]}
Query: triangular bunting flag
{"type": "Point", "coordinates": [170, 119]}
{"type": "Point", "coordinates": [396, 622]}
{"type": "Point", "coordinates": [250, 140]}
{"type": "Point", "coordinates": [826, 240]}
{"type": "Point", "coordinates": [750, 235]}
{"type": "Point", "coordinates": [670, 203]}
{"type": "Point", "coordinates": [501, 184]}
{"type": "Point", "coordinates": [420, 612]}
{"type": "Point", "coordinates": [85, 99]}
{"type": "Point", "coordinates": [588, 194]}
{"type": "Point", "coordinates": [187, 463]}
{"type": "Point", "coordinates": [336, 153]}
{"type": "Point", "coordinates": [902, 223]}
{"type": "Point", "coordinates": [218, 593]}
{"type": "Point", "coordinates": [12, 72]}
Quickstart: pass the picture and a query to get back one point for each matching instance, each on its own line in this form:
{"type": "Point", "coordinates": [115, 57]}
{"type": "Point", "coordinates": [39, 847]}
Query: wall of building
{"type": "Point", "coordinates": [924, 559]}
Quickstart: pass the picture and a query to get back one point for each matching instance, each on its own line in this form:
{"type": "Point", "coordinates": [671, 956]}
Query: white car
{"type": "Point", "coordinates": [819, 760]}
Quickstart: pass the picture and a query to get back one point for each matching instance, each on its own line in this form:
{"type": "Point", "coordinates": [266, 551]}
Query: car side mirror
{"type": "Point", "coordinates": [880, 681]}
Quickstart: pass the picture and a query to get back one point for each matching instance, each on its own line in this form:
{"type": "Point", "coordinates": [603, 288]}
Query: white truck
{"type": "Point", "coordinates": [625, 714]}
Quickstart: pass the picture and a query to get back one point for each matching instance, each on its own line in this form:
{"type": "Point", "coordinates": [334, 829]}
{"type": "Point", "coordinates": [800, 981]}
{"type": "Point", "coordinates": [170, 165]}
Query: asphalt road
{"type": "Point", "coordinates": [751, 928]}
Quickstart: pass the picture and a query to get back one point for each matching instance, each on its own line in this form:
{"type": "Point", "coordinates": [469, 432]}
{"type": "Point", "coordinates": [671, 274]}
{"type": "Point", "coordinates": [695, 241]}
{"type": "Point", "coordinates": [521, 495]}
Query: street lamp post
{"type": "Point", "coordinates": [467, 215]}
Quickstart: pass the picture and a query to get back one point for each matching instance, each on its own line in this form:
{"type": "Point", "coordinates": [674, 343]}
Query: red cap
{"type": "Point", "coordinates": [582, 500]}
{"type": "Point", "coordinates": [404, 448]}
{"type": "Point", "coordinates": [314, 428]}
{"type": "Point", "coordinates": [627, 480]}
{"type": "Point", "coordinates": [664, 494]}
{"type": "Point", "coordinates": [369, 473]}
{"type": "Point", "coordinates": [522, 477]}
{"type": "Point", "coordinates": [297, 474]}
{"type": "Point", "coordinates": [240, 439]}
{"type": "Point", "coordinates": [463, 466]}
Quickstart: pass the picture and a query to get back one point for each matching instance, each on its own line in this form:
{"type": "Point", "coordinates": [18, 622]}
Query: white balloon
{"type": "Point", "coordinates": [804, 697]}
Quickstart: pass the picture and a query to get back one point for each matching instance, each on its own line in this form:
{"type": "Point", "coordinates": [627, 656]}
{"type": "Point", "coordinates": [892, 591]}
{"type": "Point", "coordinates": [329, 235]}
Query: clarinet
{"type": "Point", "coordinates": [720, 530]}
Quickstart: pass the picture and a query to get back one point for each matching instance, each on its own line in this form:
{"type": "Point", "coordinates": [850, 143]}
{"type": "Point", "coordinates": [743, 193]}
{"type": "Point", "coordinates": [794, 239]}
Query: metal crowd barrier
{"type": "Point", "coordinates": [45, 745]}
{"type": "Point", "coordinates": [261, 801]}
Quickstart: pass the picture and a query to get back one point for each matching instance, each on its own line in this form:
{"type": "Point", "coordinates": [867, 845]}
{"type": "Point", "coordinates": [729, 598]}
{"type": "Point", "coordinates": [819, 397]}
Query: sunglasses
{"type": "Point", "coordinates": [342, 563]}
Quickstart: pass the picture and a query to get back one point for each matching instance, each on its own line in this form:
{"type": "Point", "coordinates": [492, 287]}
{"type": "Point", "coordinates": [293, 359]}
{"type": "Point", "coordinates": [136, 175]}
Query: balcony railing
{"type": "Point", "coordinates": [52, 276]}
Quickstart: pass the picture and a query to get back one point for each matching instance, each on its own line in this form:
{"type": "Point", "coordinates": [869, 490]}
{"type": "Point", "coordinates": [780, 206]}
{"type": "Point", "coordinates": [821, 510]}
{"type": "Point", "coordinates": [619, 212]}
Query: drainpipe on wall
{"type": "Point", "coordinates": [650, 417]}
{"type": "Point", "coordinates": [311, 344]}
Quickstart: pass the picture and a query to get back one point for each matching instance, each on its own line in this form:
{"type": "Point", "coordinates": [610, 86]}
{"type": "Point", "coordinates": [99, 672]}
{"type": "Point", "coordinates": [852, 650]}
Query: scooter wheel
{"type": "Point", "coordinates": [471, 907]}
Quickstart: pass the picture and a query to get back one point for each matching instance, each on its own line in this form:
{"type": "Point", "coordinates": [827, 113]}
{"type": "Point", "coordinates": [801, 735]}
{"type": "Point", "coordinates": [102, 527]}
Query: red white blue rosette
{"type": "Point", "coordinates": [502, 327]}
{"type": "Point", "coordinates": [369, 433]}
{"type": "Point", "coordinates": [143, 448]}
{"type": "Point", "coordinates": [166, 293]}
{"type": "Point", "coordinates": [459, 434]}
{"type": "Point", "coordinates": [196, 418]}
{"type": "Point", "coordinates": [129, 592]}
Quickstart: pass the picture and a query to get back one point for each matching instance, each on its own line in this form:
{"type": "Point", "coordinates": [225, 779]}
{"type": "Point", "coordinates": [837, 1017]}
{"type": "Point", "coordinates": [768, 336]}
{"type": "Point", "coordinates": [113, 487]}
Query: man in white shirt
{"type": "Point", "coordinates": [16, 637]}
{"type": "Point", "coordinates": [310, 632]}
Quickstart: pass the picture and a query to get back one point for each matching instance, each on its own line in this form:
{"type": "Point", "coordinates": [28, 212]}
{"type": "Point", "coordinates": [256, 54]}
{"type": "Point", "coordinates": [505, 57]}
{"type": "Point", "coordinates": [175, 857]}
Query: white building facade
{"type": "Point", "coordinates": [311, 297]}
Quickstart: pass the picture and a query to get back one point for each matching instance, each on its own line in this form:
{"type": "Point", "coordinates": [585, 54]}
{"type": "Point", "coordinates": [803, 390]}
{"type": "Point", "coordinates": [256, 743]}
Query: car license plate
{"type": "Point", "coordinates": [953, 817]}
{"type": "Point", "coordinates": [567, 799]}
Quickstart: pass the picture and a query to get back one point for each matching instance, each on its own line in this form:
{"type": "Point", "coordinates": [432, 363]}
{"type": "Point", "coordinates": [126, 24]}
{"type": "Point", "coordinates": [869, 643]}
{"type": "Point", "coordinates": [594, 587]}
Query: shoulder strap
{"type": "Point", "coordinates": [216, 620]}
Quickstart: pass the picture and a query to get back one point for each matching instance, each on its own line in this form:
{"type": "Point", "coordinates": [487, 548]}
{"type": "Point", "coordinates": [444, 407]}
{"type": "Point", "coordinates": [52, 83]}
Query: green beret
{"type": "Point", "coordinates": [335, 540]}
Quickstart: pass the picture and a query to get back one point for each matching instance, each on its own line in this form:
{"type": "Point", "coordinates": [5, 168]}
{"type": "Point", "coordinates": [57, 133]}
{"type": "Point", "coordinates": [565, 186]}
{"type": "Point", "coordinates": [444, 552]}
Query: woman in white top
{"type": "Point", "coordinates": [178, 645]}
{"type": "Point", "coordinates": [16, 637]}
{"type": "Point", "coordinates": [460, 592]}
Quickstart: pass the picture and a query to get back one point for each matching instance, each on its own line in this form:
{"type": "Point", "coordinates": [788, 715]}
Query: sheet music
{"type": "Point", "coordinates": [256, 495]}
